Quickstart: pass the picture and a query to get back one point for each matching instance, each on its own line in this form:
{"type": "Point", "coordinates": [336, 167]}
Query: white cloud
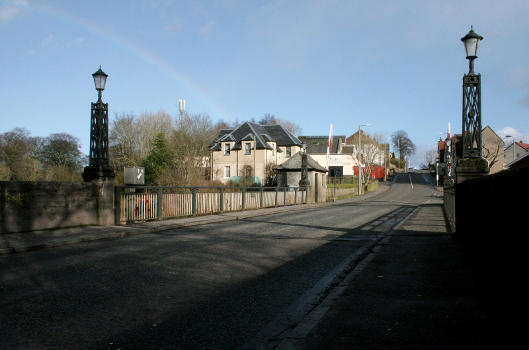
{"type": "Point", "coordinates": [78, 41]}
{"type": "Point", "coordinates": [207, 29]}
{"type": "Point", "coordinates": [175, 25]}
{"type": "Point", "coordinates": [514, 133]}
{"type": "Point", "coordinates": [11, 10]}
{"type": "Point", "coordinates": [7, 13]}
{"type": "Point", "coordinates": [20, 2]}
{"type": "Point", "coordinates": [48, 40]}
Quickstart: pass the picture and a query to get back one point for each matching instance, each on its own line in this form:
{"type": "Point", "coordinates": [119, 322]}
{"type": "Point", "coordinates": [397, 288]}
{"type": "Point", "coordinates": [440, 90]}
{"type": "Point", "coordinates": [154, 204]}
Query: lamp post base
{"type": "Point", "coordinates": [92, 173]}
{"type": "Point", "coordinates": [471, 168]}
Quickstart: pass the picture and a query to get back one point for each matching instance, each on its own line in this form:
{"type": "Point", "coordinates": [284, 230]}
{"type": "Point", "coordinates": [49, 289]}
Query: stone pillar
{"type": "Point", "coordinates": [103, 191]}
{"type": "Point", "coordinates": [471, 168]}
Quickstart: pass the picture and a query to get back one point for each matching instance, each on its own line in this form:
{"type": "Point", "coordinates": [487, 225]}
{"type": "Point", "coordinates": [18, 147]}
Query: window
{"type": "Point", "coordinates": [289, 151]}
{"type": "Point", "coordinates": [247, 148]}
{"type": "Point", "coordinates": [226, 149]}
{"type": "Point", "coordinates": [227, 171]}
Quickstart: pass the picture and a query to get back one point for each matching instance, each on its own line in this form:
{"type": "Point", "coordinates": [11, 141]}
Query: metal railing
{"type": "Point", "coordinates": [147, 203]}
{"type": "Point", "coordinates": [449, 205]}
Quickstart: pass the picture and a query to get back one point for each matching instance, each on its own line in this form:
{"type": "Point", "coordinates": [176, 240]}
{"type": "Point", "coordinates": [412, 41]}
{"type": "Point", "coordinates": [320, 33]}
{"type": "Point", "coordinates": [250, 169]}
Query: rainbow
{"type": "Point", "coordinates": [135, 50]}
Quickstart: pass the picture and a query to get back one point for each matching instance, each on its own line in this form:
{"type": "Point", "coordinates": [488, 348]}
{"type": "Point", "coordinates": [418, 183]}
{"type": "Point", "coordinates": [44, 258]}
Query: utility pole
{"type": "Point", "coordinates": [400, 152]}
{"type": "Point", "coordinates": [360, 157]}
{"type": "Point", "coordinates": [359, 163]}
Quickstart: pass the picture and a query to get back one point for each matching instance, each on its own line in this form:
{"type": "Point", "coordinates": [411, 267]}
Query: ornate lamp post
{"type": "Point", "coordinates": [99, 167]}
{"type": "Point", "coordinates": [471, 99]}
{"type": "Point", "coordinates": [471, 164]}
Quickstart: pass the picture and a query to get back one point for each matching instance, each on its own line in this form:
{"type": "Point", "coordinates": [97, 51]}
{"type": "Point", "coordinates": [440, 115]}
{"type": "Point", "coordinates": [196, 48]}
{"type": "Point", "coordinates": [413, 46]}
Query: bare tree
{"type": "Point", "coordinates": [149, 125]}
{"type": "Point", "coordinates": [430, 156]}
{"type": "Point", "coordinates": [131, 138]}
{"type": "Point", "coordinates": [191, 140]}
{"type": "Point", "coordinates": [54, 158]}
{"type": "Point", "coordinates": [61, 156]}
{"type": "Point", "coordinates": [403, 144]}
{"type": "Point", "coordinates": [17, 156]}
{"type": "Point", "coordinates": [372, 154]}
{"type": "Point", "coordinates": [124, 141]}
{"type": "Point", "coordinates": [60, 150]}
{"type": "Point", "coordinates": [270, 119]}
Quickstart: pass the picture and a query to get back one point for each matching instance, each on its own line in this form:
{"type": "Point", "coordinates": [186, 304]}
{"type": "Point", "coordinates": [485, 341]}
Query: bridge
{"type": "Point", "coordinates": [372, 271]}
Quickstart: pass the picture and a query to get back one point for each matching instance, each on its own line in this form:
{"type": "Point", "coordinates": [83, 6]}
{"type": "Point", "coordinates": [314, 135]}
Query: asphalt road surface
{"type": "Point", "coordinates": [211, 286]}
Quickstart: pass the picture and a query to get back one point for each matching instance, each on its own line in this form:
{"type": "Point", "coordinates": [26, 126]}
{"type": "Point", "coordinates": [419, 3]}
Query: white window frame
{"type": "Point", "coordinates": [247, 148]}
{"type": "Point", "coordinates": [288, 151]}
{"type": "Point", "coordinates": [227, 149]}
{"type": "Point", "coordinates": [227, 171]}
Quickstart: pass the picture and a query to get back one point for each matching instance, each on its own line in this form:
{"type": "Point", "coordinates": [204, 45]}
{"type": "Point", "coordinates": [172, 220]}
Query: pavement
{"type": "Point", "coordinates": [416, 289]}
{"type": "Point", "coordinates": [11, 243]}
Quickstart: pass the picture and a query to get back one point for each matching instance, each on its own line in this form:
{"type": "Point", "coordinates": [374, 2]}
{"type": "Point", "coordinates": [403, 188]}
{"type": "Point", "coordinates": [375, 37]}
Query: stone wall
{"type": "Point", "coordinates": [29, 206]}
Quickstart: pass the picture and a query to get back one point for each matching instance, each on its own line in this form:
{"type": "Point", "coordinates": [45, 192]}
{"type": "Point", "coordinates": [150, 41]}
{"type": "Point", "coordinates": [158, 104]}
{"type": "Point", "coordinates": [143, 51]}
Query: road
{"type": "Point", "coordinates": [210, 286]}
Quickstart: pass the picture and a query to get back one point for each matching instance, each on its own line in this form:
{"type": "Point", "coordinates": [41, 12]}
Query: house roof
{"type": "Point", "coordinates": [523, 145]}
{"type": "Point", "coordinates": [294, 163]}
{"type": "Point", "coordinates": [318, 144]}
{"type": "Point", "coordinates": [282, 136]}
{"type": "Point", "coordinates": [262, 133]}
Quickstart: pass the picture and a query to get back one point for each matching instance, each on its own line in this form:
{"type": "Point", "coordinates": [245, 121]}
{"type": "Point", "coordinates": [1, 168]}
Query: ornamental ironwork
{"type": "Point", "coordinates": [99, 134]}
{"type": "Point", "coordinates": [471, 115]}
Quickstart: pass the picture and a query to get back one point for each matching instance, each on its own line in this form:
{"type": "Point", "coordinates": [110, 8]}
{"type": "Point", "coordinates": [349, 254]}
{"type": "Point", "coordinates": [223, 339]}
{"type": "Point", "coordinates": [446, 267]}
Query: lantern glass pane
{"type": "Point", "coordinates": [471, 47]}
{"type": "Point", "coordinates": [99, 81]}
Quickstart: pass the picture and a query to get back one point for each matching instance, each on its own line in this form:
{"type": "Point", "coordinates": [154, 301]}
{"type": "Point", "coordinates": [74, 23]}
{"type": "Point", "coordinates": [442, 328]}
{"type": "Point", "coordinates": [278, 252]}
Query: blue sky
{"type": "Point", "coordinates": [392, 64]}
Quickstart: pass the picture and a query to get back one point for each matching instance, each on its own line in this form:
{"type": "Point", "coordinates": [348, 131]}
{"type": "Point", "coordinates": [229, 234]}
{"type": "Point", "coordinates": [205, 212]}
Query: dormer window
{"type": "Point", "coordinates": [247, 148]}
{"type": "Point", "coordinates": [289, 151]}
{"type": "Point", "coordinates": [226, 149]}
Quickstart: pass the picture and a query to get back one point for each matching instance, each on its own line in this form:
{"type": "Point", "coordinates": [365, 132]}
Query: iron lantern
{"type": "Point", "coordinates": [471, 42]}
{"type": "Point", "coordinates": [100, 79]}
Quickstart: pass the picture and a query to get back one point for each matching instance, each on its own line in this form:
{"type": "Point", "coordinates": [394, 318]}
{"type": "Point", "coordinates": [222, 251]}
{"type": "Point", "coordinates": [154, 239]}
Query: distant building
{"type": "Point", "coordinates": [340, 161]}
{"type": "Point", "coordinates": [251, 150]}
{"type": "Point", "coordinates": [519, 163]}
{"type": "Point", "coordinates": [343, 158]}
{"type": "Point", "coordinates": [450, 150]}
{"type": "Point", "coordinates": [514, 151]}
{"type": "Point", "coordinates": [492, 149]}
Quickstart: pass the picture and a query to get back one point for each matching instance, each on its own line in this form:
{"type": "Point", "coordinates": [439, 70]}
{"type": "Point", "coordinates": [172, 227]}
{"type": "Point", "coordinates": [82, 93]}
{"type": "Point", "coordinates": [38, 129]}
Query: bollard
{"type": "Point", "coordinates": [221, 199]}
{"type": "Point", "coordinates": [193, 201]}
{"type": "Point", "coordinates": [117, 205]}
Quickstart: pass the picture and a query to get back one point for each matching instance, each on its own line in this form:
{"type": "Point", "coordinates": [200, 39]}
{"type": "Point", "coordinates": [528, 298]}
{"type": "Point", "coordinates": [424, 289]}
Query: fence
{"type": "Point", "coordinates": [449, 199]}
{"type": "Point", "coordinates": [145, 203]}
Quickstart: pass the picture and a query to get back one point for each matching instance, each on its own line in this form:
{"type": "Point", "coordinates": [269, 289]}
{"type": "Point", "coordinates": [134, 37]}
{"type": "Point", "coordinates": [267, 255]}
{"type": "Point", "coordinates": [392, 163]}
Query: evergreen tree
{"type": "Point", "coordinates": [160, 157]}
